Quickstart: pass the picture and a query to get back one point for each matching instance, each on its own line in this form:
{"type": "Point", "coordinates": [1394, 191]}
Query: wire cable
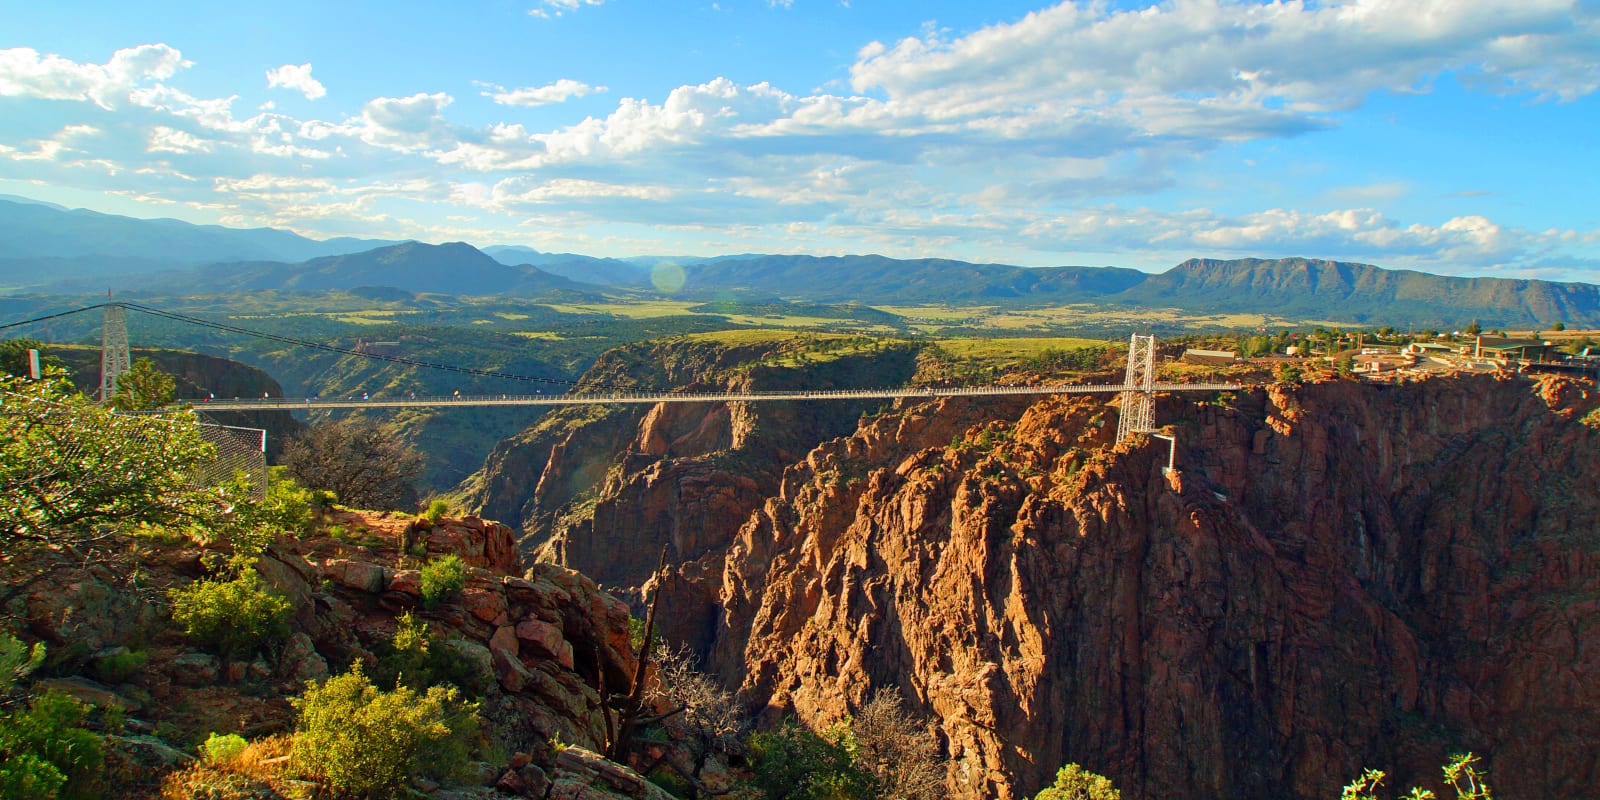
{"type": "Point", "coordinates": [401, 360]}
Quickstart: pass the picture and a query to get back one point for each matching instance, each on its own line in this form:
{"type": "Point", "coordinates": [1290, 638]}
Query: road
{"type": "Point", "coordinates": [611, 398]}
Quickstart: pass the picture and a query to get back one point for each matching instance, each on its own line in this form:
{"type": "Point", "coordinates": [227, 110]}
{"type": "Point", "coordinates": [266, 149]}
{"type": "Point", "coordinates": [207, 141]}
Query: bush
{"type": "Point", "coordinates": [222, 748]}
{"type": "Point", "coordinates": [360, 741]}
{"type": "Point", "coordinates": [204, 782]}
{"type": "Point", "coordinates": [411, 658]}
{"type": "Point", "coordinates": [1076, 783]}
{"type": "Point", "coordinates": [236, 617]}
{"type": "Point", "coordinates": [794, 763]}
{"type": "Point", "coordinates": [1460, 774]}
{"type": "Point", "coordinates": [118, 668]}
{"type": "Point", "coordinates": [436, 511]}
{"type": "Point", "coordinates": [899, 750]}
{"type": "Point", "coordinates": [17, 660]}
{"type": "Point", "coordinates": [45, 753]}
{"type": "Point", "coordinates": [442, 579]}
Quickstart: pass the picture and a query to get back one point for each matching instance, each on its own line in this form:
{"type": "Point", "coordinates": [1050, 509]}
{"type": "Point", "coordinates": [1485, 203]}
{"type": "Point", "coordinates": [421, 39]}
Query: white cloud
{"type": "Point", "coordinates": [25, 73]}
{"type": "Point", "coordinates": [558, 92]}
{"type": "Point", "coordinates": [170, 140]}
{"type": "Point", "coordinates": [296, 77]}
{"type": "Point", "coordinates": [556, 8]}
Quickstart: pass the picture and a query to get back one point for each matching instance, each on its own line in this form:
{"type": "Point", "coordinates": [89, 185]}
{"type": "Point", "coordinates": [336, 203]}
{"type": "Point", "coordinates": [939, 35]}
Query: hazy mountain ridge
{"type": "Point", "coordinates": [875, 278]}
{"type": "Point", "coordinates": [1362, 292]}
{"type": "Point", "coordinates": [42, 241]}
{"type": "Point", "coordinates": [82, 251]}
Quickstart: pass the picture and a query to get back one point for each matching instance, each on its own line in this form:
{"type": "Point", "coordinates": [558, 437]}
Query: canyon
{"type": "Point", "coordinates": [1339, 574]}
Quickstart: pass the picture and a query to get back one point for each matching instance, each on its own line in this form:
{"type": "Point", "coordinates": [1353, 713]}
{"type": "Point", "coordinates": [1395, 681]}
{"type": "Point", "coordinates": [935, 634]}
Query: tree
{"type": "Point", "coordinates": [1474, 329]}
{"type": "Point", "coordinates": [1289, 373]}
{"type": "Point", "coordinates": [1559, 326]}
{"type": "Point", "coordinates": [70, 470]}
{"type": "Point", "coordinates": [707, 714]}
{"type": "Point", "coordinates": [1076, 783]}
{"type": "Point", "coordinates": [143, 387]}
{"type": "Point", "coordinates": [361, 463]}
{"type": "Point", "coordinates": [795, 763]}
{"type": "Point", "coordinates": [897, 749]}
{"type": "Point", "coordinates": [14, 357]}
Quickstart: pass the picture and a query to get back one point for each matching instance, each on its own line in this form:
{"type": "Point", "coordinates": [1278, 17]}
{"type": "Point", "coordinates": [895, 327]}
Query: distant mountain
{"type": "Point", "coordinates": [1343, 291]}
{"type": "Point", "coordinates": [42, 241]}
{"type": "Point", "coordinates": [878, 279]}
{"type": "Point", "coordinates": [453, 268]}
{"type": "Point", "coordinates": [580, 268]}
{"type": "Point", "coordinates": [28, 201]}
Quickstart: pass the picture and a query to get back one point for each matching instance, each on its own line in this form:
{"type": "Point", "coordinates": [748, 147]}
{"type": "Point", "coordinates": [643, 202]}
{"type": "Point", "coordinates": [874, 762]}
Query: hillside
{"type": "Point", "coordinates": [453, 268]}
{"type": "Point", "coordinates": [45, 243]}
{"type": "Point", "coordinates": [1362, 293]}
{"type": "Point", "coordinates": [580, 268]}
{"type": "Point", "coordinates": [877, 279]}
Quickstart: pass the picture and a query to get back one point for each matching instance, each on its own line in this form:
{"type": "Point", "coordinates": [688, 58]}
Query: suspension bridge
{"type": "Point", "coordinates": [1136, 392]}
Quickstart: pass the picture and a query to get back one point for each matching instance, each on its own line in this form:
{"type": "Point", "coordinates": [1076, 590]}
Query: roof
{"type": "Point", "coordinates": [1211, 353]}
{"type": "Point", "coordinates": [1512, 344]}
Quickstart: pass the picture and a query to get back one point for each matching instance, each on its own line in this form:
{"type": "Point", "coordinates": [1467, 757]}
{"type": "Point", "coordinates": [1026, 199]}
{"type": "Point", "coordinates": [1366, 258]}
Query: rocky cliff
{"type": "Point", "coordinates": [1338, 575]}
{"type": "Point", "coordinates": [604, 489]}
{"type": "Point", "coordinates": [536, 647]}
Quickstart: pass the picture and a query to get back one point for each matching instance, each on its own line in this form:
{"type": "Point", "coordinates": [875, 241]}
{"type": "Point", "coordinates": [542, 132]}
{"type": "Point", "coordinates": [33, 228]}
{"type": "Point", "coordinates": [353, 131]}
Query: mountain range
{"type": "Point", "coordinates": [43, 247]}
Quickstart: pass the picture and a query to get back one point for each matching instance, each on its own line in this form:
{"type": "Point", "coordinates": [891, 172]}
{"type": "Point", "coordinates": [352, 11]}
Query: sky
{"type": "Point", "coordinates": [1452, 136]}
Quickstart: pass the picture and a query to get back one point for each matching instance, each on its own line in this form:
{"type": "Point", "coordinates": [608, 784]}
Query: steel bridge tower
{"type": "Point", "coordinates": [114, 358]}
{"type": "Point", "coordinates": [1138, 398]}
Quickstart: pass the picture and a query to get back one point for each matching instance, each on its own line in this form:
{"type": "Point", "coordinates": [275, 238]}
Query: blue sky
{"type": "Point", "coordinates": [1453, 136]}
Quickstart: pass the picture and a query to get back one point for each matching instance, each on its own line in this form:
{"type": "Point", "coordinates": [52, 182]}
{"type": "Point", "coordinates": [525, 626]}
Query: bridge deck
{"type": "Point", "coordinates": [609, 398]}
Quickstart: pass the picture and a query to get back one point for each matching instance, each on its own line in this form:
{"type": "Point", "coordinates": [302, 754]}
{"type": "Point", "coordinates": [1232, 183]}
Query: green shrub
{"type": "Point", "coordinates": [17, 659]}
{"type": "Point", "coordinates": [45, 753]}
{"type": "Point", "coordinates": [1076, 783]}
{"type": "Point", "coordinates": [118, 668]}
{"type": "Point", "coordinates": [360, 741]}
{"type": "Point", "coordinates": [794, 763]}
{"type": "Point", "coordinates": [1460, 773]}
{"type": "Point", "coordinates": [442, 579]}
{"type": "Point", "coordinates": [236, 617]}
{"type": "Point", "coordinates": [411, 658]}
{"type": "Point", "coordinates": [221, 748]}
{"type": "Point", "coordinates": [436, 511]}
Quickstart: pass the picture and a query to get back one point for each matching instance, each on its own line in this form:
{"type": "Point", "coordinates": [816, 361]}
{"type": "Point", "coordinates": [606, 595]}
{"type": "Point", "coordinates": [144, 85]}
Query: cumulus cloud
{"type": "Point", "coordinates": [298, 78]}
{"type": "Point", "coordinates": [1036, 133]}
{"type": "Point", "coordinates": [170, 140]}
{"type": "Point", "coordinates": [24, 72]}
{"type": "Point", "coordinates": [558, 92]}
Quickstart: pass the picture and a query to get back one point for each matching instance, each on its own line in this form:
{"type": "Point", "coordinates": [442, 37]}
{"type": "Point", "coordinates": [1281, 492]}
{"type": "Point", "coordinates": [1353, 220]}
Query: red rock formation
{"type": "Point", "coordinates": [1341, 574]}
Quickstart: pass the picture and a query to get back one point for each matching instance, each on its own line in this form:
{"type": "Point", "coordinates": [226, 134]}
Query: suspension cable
{"type": "Point", "coordinates": [401, 360]}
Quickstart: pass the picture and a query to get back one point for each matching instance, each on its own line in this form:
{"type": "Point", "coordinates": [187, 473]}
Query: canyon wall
{"type": "Point", "coordinates": [1338, 575]}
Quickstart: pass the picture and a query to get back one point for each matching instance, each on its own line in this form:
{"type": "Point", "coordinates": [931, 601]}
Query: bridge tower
{"type": "Point", "coordinates": [1138, 398]}
{"type": "Point", "coordinates": [114, 358]}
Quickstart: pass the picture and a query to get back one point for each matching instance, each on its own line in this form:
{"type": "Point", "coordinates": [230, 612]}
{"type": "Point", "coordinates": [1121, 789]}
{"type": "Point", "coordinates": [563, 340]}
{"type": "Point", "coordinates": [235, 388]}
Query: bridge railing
{"type": "Point", "coordinates": [600, 398]}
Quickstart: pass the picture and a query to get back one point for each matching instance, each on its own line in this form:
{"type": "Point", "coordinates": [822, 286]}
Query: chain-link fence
{"type": "Point", "coordinates": [120, 442]}
{"type": "Point", "coordinates": [239, 451]}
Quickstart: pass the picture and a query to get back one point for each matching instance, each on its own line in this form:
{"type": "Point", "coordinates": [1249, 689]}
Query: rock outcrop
{"type": "Point", "coordinates": [1339, 575]}
{"type": "Point", "coordinates": [537, 647]}
{"type": "Point", "coordinates": [604, 490]}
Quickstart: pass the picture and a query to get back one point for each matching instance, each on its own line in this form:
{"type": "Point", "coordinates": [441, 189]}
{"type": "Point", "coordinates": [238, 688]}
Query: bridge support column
{"type": "Point", "coordinates": [1138, 398]}
{"type": "Point", "coordinates": [114, 358]}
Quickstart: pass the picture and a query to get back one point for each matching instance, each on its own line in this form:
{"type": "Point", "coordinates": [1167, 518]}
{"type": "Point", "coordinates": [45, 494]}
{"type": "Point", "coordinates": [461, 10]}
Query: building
{"type": "Point", "coordinates": [1215, 358]}
{"type": "Point", "coordinates": [1515, 349]}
